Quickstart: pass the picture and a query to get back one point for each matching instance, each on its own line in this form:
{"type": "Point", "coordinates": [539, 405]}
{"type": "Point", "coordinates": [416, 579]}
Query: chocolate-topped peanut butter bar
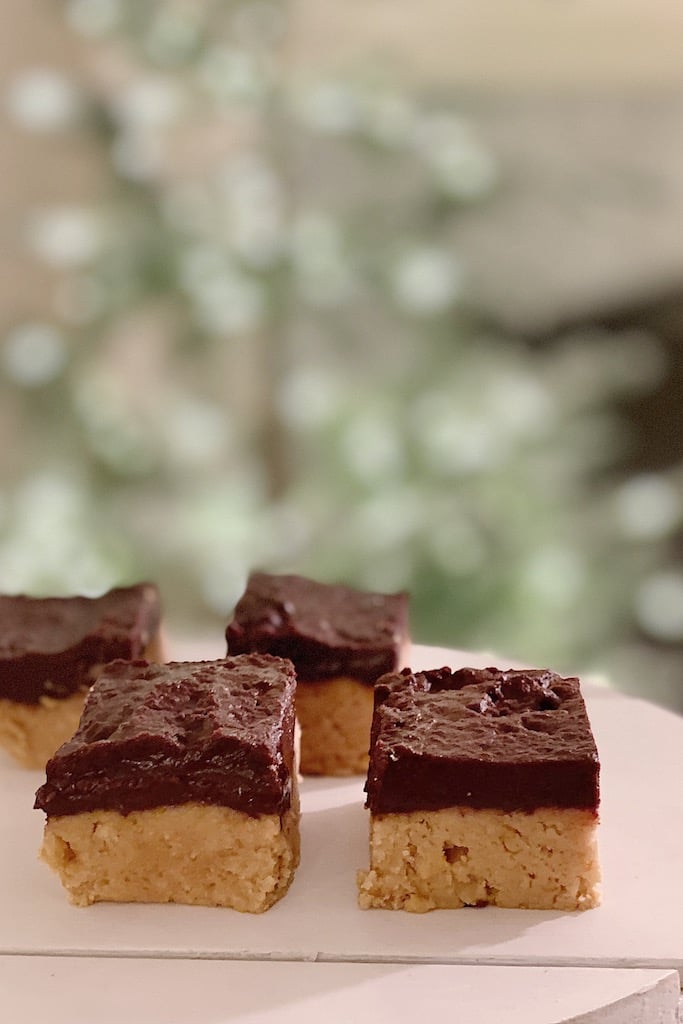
{"type": "Point", "coordinates": [340, 640]}
{"type": "Point", "coordinates": [483, 788]}
{"type": "Point", "coordinates": [179, 785]}
{"type": "Point", "coordinates": [51, 651]}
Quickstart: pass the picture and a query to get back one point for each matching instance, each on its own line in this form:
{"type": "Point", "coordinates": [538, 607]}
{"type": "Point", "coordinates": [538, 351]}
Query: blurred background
{"type": "Point", "coordinates": [376, 292]}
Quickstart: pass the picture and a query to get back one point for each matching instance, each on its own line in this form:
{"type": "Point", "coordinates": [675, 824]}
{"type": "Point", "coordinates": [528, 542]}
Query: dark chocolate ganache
{"type": "Point", "coordinates": [326, 630]}
{"type": "Point", "coordinates": [53, 646]}
{"type": "Point", "coordinates": [215, 732]}
{"type": "Point", "coordinates": [509, 740]}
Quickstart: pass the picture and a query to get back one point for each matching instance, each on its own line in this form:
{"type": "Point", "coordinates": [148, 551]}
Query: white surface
{"type": "Point", "coordinates": [639, 924]}
{"type": "Point", "coordinates": [107, 991]}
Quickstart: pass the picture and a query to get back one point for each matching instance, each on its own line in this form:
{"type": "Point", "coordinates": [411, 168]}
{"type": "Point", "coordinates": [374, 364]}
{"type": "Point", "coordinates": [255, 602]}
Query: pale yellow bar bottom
{"type": "Point", "coordinates": [335, 717]}
{"type": "Point", "coordinates": [543, 860]}
{"type": "Point", "coordinates": [193, 853]}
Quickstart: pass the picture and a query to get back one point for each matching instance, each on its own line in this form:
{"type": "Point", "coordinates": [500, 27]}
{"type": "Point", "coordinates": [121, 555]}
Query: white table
{"type": "Point", "coordinates": [329, 960]}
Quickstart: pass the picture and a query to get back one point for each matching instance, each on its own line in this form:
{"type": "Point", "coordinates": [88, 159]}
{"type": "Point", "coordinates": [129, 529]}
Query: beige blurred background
{"type": "Point", "coordinates": [580, 105]}
{"type": "Point", "coordinates": [579, 99]}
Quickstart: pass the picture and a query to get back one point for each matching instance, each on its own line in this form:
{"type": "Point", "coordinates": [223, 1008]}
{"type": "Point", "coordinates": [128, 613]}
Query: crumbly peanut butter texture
{"type": "Point", "coordinates": [194, 854]}
{"type": "Point", "coordinates": [460, 857]}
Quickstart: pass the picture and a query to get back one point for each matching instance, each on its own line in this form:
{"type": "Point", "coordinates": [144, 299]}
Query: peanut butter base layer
{"type": "Point", "coordinates": [194, 853]}
{"type": "Point", "coordinates": [31, 733]}
{"type": "Point", "coordinates": [335, 717]}
{"type": "Point", "coordinates": [543, 860]}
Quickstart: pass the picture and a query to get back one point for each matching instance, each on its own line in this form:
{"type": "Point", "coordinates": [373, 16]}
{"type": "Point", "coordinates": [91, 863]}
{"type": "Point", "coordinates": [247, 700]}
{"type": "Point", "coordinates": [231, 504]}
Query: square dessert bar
{"type": "Point", "coordinates": [483, 788]}
{"type": "Point", "coordinates": [179, 786]}
{"type": "Point", "coordinates": [51, 650]}
{"type": "Point", "coordinates": [340, 640]}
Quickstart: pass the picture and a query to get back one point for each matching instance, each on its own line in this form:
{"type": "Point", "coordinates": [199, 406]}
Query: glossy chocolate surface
{"type": "Point", "coordinates": [326, 630]}
{"type": "Point", "coordinates": [50, 646]}
{"type": "Point", "coordinates": [514, 740]}
{"type": "Point", "coordinates": [216, 732]}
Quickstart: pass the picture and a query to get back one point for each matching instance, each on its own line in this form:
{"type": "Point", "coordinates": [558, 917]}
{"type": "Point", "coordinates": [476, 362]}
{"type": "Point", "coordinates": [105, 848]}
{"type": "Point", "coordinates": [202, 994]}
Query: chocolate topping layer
{"type": "Point", "coordinates": [49, 646]}
{"type": "Point", "coordinates": [514, 740]}
{"type": "Point", "coordinates": [326, 630]}
{"type": "Point", "coordinates": [215, 732]}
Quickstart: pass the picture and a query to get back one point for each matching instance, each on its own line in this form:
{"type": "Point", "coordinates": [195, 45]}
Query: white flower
{"type": "Point", "coordinates": [391, 518]}
{"type": "Point", "coordinates": [324, 277]}
{"type": "Point", "coordinates": [231, 75]}
{"type": "Point", "coordinates": [330, 107]}
{"type": "Point", "coordinates": [254, 211]}
{"type": "Point", "coordinates": [516, 400]}
{"type": "Point", "coordinates": [256, 235]}
{"type": "Point", "coordinates": [174, 33]}
{"type": "Point", "coordinates": [371, 446]}
{"type": "Point", "coordinates": [437, 129]}
{"type": "Point", "coordinates": [43, 100]}
{"type": "Point", "coordinates": [456, 442]}
{"type": "Point", "coordinates": [463, 170]}
{"type": "Point", "coordinates": [222, 583]}
{"type": "Point", "coordinates": [659, 606]}
{"type": "Point", "coordinates": [197, 432]}
{"type": "Point", "coordinates": [309, 397]}
{"type": "Point", "coordinates": [138, 154]}
{"type": "Point", "coordinates": [230, 303]}
{"type": "Point", "coordinates": [648, 507]}
{"type": "Point", "coordinates": [33, 354]}
{"type": "Point", "coordinates": [148, 103]}
{"type": "Point", "coordinates": [64, 236]}
{"type": "Point", "coordinates": [426, 280]}
{"type": "Point", "coordinates": [461, 167]}
{"type": "Point", "coordinates": [555, 575]}
{"type": "Point", "coordinates": [50, 545]}
{"type": "Point", "coordinates": [220, 519]}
